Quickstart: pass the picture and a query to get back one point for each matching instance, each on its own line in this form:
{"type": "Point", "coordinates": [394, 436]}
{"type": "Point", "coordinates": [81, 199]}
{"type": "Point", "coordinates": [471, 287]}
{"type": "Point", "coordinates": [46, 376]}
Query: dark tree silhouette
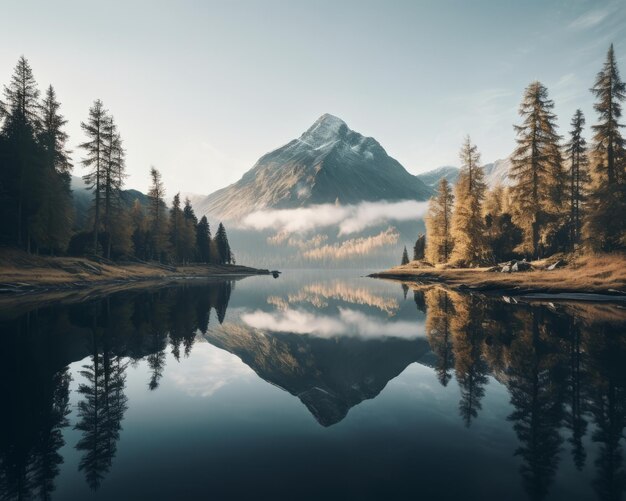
{"type": "Point", "coordinates": [21, 172]}
{"type": "Point", "coordinates": [537, 394]}
{"type": "Point", "coordinates": [102, 409]}
{"type": "Point", "coordinates": [203, 240]}
{"type": "Point", "coordinates": [95, 130]}
{"type": "Point", "coordinates": [605, 225]}
{"type": "Point", "coordinates": [578, 176]}
{"type": "Point", "coordinates": [439, 313]}
{"type": "Point", "coordinates": [405, 256]}
{"type": "Point", "coordinates": [419, 248]}
{"type": "Point", "coordinates": [222, 245]}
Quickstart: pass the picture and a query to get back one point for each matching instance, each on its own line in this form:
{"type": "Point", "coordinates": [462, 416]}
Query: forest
{"type": "Point", "coordinates": [36, 198]}
{"type": "Point", "coordinates": [565, 195]}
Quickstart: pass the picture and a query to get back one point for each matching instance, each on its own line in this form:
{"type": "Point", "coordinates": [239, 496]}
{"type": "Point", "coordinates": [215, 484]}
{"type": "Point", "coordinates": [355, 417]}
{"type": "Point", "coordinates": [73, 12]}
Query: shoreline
{"type": "Point", "coordinates": [22, 274]}
{"type": "Point", "coordinates": [597, 278]}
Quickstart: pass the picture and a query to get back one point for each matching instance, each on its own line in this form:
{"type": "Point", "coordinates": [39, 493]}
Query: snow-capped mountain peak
{"type": "Point", "coordinates": [326, 128]}
{"type": "Point", "coordinates": [327, 163]}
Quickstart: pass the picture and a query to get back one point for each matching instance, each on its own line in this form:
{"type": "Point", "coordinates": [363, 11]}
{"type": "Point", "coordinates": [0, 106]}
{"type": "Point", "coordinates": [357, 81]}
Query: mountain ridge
{"type": "Point", "coordinates": [328, 163]}
{"type": "Point", "coordinates": [496, 173]}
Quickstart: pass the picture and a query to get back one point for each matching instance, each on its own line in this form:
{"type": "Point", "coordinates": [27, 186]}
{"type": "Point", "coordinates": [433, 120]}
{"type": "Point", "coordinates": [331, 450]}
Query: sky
{"type": "Point", "coordinates": [201, 89]}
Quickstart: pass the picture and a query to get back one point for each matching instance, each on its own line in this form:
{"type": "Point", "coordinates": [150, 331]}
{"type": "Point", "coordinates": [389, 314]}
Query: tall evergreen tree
{"type": "Point", "coordinates": [578, 176]}
{"type": "Point", "coordinates": [203, 240]}
{"type": "Point", "coordinates": [605, 227]}
{"type": "Point", "coordinates": [21, 175]}
{"type": "Point", "coordinates": [189, 213]}
{"type": "Point", "coordinates": [95, 129]}
{"type": "Point", "coordinates": [53, 221]}
{"type": "Point", "coordinates": [439, 243]}
{"type": "Point", "coordinates": [189, 233]}
{"type": "Point", "coordinates": [536, 168]}
{"type": "Point", "coordinates": [468, 225]}
{"type": "Point", "coordinates": [177, 233]}
{"type": "Point", "coordinates": [223, 247]}
{"type": "Point", "coordinates": [113, 178]}
{"type": "Point", "coordinates": [158, 228]}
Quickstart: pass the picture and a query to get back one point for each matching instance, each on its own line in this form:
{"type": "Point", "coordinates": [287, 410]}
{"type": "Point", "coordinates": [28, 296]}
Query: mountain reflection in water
{"type": "Point", "coordinates": [65, 368]}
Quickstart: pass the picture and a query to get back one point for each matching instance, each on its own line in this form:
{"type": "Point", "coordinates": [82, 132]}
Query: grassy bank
{"type": "Point", "coordinates": [591, 274]}
{"type": "Point", "coordinates": [21, 272]}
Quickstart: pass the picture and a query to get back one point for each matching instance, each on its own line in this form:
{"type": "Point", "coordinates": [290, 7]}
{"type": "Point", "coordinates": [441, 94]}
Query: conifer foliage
{"type": "Point", "coordinates": [94, 161]}
{"type": "Point", "coordinates": [22, 157]}
{"type": "Point", "coordinates": [224, 254]}
{"type": "Point", "coordinates": [405, 257]}
{"type": "Point", "coordinates": [536, 169]}
{"type": "Point", "coordinates": [38, 212]}
{"type": "Point", "coordinates": [605, 227]}
{"type": "Point", "coordinates": [439, 243]}
{"type": "Point", "coordinates": [468, 225]}
{"type": "Point", "coordinates": [578, 176]}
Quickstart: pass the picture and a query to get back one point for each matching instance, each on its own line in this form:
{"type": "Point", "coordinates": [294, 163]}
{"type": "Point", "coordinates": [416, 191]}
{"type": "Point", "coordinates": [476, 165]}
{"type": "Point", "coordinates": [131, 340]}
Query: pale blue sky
{"type": "Point", "coordinates": [201, 89]}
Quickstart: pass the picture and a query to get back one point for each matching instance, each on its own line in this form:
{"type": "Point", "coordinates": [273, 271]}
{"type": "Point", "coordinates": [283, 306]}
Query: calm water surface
{"type": "Point", "coordinates": [318, 385]}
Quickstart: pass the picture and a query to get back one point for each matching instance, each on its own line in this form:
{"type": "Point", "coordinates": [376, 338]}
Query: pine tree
{"type": "Point", "coordinates": [439, 243]}
{"type": "Point", "coordinates": [405, 257]}
{"type": "Point", "coordinates": [203, 240]}
{"type": "Point", "coordinates": [21, 174]}
{"type": "Point", "coordinates": [578, 176]}
{"type": "Point", "coordinates": [189, 232]}
{"type": "Point", "coordinates": [536, 169]}
{"type": "Point", "coordinates": [189, 213]}
{"type": "Point", "coordinates": [113, 178]}
{"type": "Point", "coordinates": [182, 230]}
{"type": "Point", "coordinates": [605, 226]}
{"type": "Point", "coordinates": [222, 245]}
{"type": "Point", "coordinates": [53, 221]}
{"type": "Point", "coordinates": [419, 248]}
{"type": "Point", "coordinates": [610, 90]}
{"type": "Point", "coordinates": [158, 229]}
{"type": "Point", "coordinates": [468, 225]}
{"type": "Point", "coordinates": [176, 228]}
{"type": "Point", "coordinates": [95, 129]}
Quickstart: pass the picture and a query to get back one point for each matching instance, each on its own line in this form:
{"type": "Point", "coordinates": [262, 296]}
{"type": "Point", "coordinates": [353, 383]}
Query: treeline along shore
{"type": "Point", "coordinates": [44, 241]}
{"type": "Point", "coordinates": [561, 224]}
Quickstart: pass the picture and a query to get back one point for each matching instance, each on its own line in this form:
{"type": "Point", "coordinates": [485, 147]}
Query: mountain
{"type": "Point", "coordinates": [498, 172]}
{"type": "Point", "coordinates": [329, 376]}
{"type": "Point", "coordinates": [83, 198]}
{"type": "Point", "coordinates": [328, 163]}
{"type": "Point", "coordinates": [432, 178]}
{"type": "Point", "coordinates": [495, 173]}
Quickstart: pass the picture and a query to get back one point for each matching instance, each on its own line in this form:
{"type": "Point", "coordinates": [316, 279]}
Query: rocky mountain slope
{"type": "Point", "coordinates": [495, 173]}
{"type": "Point", "coordinates": [328, 163]}
{"type": "Point", "coordinates": [432, 177]}
{"type": "Point", "coordinates": [82, 199]}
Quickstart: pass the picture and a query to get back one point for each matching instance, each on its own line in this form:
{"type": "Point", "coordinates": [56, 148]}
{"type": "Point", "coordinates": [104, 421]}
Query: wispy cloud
{"type": "Point", "coordinates": [590, 19]}
{"type": "Point", "coordinates": [348, 218]}
{"type": "Point", "coordinates": [349, 323]}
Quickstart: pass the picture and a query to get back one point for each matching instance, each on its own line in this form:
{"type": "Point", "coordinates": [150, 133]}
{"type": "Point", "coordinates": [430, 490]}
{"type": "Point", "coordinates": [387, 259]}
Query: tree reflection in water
{"type": "Point", "coordinates": [563, 366]}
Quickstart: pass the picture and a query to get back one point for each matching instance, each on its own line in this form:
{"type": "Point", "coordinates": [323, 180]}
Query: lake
{"type": "Point", "coordinates": [316, 385]}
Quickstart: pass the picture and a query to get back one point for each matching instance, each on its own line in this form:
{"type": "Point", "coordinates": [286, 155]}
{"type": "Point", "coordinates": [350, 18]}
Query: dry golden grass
{"type": "Point", "coordinates": [594, 273]}
{"type": "Point", "coordinates": [20, 269]}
